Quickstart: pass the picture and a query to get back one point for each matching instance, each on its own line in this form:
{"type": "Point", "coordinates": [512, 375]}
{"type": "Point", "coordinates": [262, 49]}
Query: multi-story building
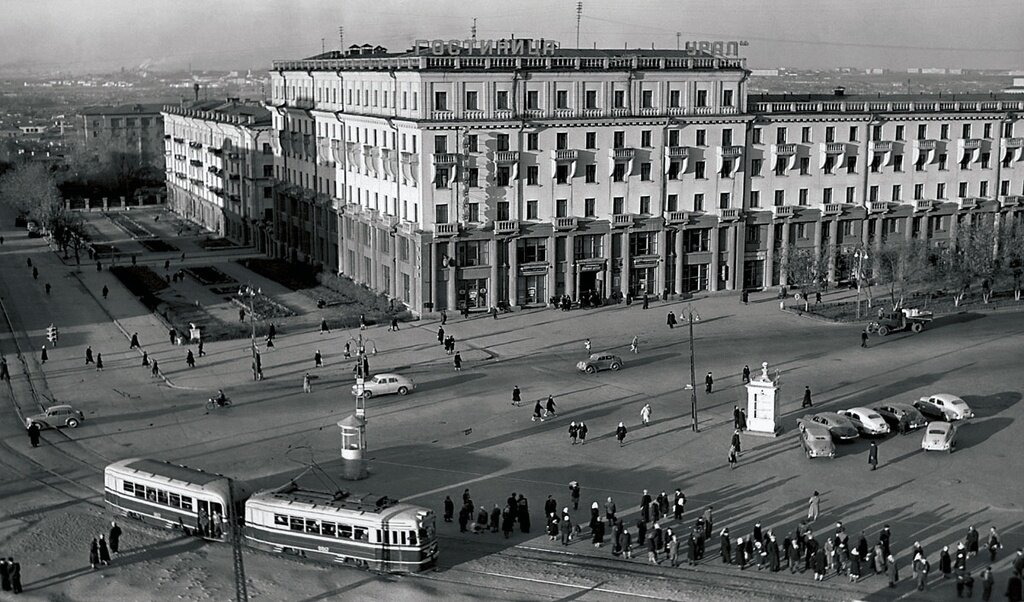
{"type": "Point", "coordinates": [220, 167]}
{"type": "Point", "coordinates": [467, 178]}
{"type": "Point", "coordinates": [136, 130]}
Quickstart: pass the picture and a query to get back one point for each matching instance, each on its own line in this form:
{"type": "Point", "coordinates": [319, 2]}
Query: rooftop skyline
{"type": "Point", "coordinates": [109, 34]}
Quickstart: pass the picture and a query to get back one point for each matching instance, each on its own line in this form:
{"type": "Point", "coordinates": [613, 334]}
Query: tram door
{"type": "Point", "coordinates": [385, 548]}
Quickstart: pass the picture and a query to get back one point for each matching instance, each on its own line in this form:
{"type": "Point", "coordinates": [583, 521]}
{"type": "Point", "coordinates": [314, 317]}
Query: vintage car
{"type": "Point", "coordinates": [945, 406]}
{"type": "Point", "coordinates": [816, 440]}
{"type": "Point", "coordinates": [385, 384]}
{"type": "Point", "coordinates": [840, 426]}
{"type": "Point", "coordinates": [599, 361]}
{"type": "Point", "coordinates": [867, 421]}
{"type": "Point", "coordinates": [939, 436]}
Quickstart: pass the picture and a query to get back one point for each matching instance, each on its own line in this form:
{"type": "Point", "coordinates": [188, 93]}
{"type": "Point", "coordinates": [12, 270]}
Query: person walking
{"type": "Point", "coordinates": [190, 359]}
{"type": "Point", "coordinates": [864, 338]}
{"type": "Point", "coordinates": [736, 441]}
{"type": "Point", "coordinates": [47, 287]}
{"type": "Point", "coordinates": [746, 374]}
{"type": "Point", "coordinates": [5, 575]}
{"type": "Point", "coordinates": [94, 553]}
{"type": "Point", "coordinates": [323, 326]}
{"type": "Point", "coordinates": [620, 434]}
{"type": "Point", "coordinates": [449, 508]}
{"type": "Point", "coordinates": [88, 355]}
{"type": "Point", "coordinates": [14, 571]}
{"type": "Point", "coordinates": [115, 537]}
{"type": "Point", "coordinates": [134, 344]}
{"type": "Point", "coordinates": [458, 362]}
{"type": "Point", "coordinates": [945, 562]}
{"type": "Point", "coordinates": [582, 432]}
{"type": "Point", "coordinates": [307, 386]}
{"type": "Point", "coordinates": [972, 540]}
{"type": "Point", "coordinates": [634, 345]}
{"type": "Point", "coordinates": [986, 583]}
{"type": "Point", "coordinates": [709, 383]}
{"type": "Point", "coordinates": [549, 410]}
{"type": "Point", "coordinates": [43, 356]}
{"type": "Point", "coordinates": [106, 291]}
{"type": "Point", "coordinates": [362, 322]}
{"type": "Point", "coordinates": [517, 397]}
{"type": "Point", "coordinates": [807, 398]}
{"type": "Point", "coordinates": [156, 368]}
{"type": "Point", "coordinates": [537, 412]}
{"type": "Point", "coordinates": [586, 345]}
{"type": "Point", "coordinates": [732, 457]}
{"type": "Point", "coordinates": [993, 544]}
{"type": "Point", "coordinates": [647, 301]}
{"type": "Point", "coordinates": [99, 362]}
{"type": "Point", "coordinates": [104, 552]}
{"type": "Point", "coordinates": [5, 373]}
{"type": "Point", "coordinates": [573, 432]}
{"type": "Point", "coordinates": [671, 321]}
{"type": "Point", "coordinates": [645, 414]}
{"type": "Point", "coordinates": [318, 359]}
{"type": "Point", "coordinates": [813, 506]}
{"type": "Point", "coordinates": [33, 434]}
{"type": "Point", "coordinates": [873, 455]}
{"type": "Point", "coordinates": [394, 325]}
{"type": "Point", "coordinates": [202, 349]}
{"type": "Point", "coordinates": [892, 571]}
{"type": "Point", "coordinates": [574, 494]}
{"type": "Point", "coordinates": [495, 519]}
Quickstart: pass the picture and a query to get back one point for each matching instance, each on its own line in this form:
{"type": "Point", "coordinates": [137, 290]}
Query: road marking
{"type": "Point", "coordinates": [603, 590]}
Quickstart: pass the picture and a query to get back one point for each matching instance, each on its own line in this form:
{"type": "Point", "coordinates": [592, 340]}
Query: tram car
{"type": "Point", "coordinates": [172, 496]}
{"type": "Point", "coordinates": [369, 531]}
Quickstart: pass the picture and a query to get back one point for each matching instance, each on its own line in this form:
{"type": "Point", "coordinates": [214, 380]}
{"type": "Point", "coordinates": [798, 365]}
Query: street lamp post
{"type": "Point", "coordinates": [360, 375]}
{"type": "Point", "coordinates": [248, 291]}
{"type": "Point", "coordinates": [691, 316]}
{"type": "Point", "coordinates": [859, 255]}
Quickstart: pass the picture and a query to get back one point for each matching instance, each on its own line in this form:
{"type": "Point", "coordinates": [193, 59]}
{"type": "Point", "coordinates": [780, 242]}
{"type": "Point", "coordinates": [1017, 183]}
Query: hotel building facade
{"type": "Point", "coordinates": [464, 179]}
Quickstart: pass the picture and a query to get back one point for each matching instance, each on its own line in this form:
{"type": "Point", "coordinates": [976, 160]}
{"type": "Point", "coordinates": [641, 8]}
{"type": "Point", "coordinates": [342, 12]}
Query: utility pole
{"type": "Point", "coordinates": [691, 316]}
{"type": "Point", "coordinates": [579, 15]}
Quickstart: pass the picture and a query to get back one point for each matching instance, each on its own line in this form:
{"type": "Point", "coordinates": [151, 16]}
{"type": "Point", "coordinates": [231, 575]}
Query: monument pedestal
{"type": "Point", "coordinates": [763, 404]}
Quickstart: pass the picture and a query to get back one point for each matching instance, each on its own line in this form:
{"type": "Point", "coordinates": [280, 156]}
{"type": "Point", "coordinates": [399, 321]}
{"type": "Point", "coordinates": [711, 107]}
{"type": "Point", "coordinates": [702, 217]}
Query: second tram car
{"type": "Point", "coordinates": [369, 531]}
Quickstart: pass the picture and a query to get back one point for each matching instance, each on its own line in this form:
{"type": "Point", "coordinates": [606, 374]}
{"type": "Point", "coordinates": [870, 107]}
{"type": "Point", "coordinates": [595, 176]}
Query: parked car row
{"type": "Point", "coordinates": [819, 432]}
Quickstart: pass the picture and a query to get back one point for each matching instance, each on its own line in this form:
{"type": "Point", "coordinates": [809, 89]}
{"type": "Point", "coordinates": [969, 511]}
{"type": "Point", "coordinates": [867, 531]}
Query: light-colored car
{"type": "Point", "coordinates": [55, 417]}
{"type": "Point", "coordinates": [867, 421]}
{"type": "Point", "coordinates": [939, 436]}
{"type": "Point", "coordinates": [894, 413]}
{"type": "Point", "coordinates": [840, 426]}
{"type": "Point", "coordinates": [816, 440]}
{"type": "Point", "coordinates": [385, 384]}
{"type": "Point", "coordinates": [945, 406]}
{"type": "Point", "coordinates": [599, 361]}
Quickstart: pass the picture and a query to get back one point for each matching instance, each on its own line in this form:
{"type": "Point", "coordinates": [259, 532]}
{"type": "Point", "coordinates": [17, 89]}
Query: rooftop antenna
{"type": "Point", "coordinates": [323, 45]}
{"type": "Point", "coordinates": [472, 30]}
{"type": "Point", "coordinates": [579, 15]}
{"type": "Point", "coordinates": [341, 37]}
{"type": "Point", "coordinates": [679, 36]}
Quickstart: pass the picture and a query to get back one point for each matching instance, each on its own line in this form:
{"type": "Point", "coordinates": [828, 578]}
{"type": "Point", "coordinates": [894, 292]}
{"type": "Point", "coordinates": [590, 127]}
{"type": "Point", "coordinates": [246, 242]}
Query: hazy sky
{"type": "Point", "coordinates": [79, 35]}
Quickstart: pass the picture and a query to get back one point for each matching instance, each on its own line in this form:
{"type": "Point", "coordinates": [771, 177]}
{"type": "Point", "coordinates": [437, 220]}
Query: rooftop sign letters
{"type": "Point", "coordinates": [514, 47]}
{"type": "Point", "coordinates": [719, 49]}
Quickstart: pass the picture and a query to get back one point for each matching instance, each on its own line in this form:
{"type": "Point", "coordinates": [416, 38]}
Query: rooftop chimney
{"type": "Point", "coordinates": [839, 91]}
{"type": "Point", "coordinates": [195, 91]}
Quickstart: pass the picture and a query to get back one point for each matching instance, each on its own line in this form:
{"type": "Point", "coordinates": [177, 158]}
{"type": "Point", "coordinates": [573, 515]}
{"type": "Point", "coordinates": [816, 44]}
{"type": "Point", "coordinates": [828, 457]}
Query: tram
{"type": "Point", "coordinates": [369, 531]}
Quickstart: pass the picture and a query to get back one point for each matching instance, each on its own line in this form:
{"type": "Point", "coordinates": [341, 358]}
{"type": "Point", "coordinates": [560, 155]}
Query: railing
{"type": "Point", "coordinates": [832, 208]}
{"type": "Point", "coordinates": [1011, 200]}
{"type": "Point", "coordinates": [784, 210]}
{"type": "Point", "coordinates": [565, 113]}
{"type": "Point", "coordinates": [620, 220]}
{"type": "Point", "coordinates": [878, 206]}
{"type": "Point", "coordinates": [473, 114]}
{"type": "Point", "coordinates": [446, 229]}
{"type": "Point", "coordinates": [884, 106]}
{"type": "Point", "coordinates": [922, 205]}
{"type": "Point", "coordinates": [506, 226]}
{"type": "Point", "coordinates": [835, 148]}
{"type": "Point", "coordinates": [442, 115]}
{"type": "Point", "coordinates": [785, 149]}
{"type": "Point", "coordinates": [732, 152]}
{"type": "Point", "coordinates": [972, 143]}
{"type": "Point", "coordinates": [445, 158]}
{"type": "Point", "coordinates": [592, 113]}
{"type": "Point", "coordinates": [533, 113]}
{"type": "Point", "coordinates": [503, 114]}
{"type": "Point", "coordinates": [506, 157]}
{"type": "Point", "coordinates": [676, 217]}
{"type": "Point", "coordinates": [678, 152]}
{"type": "Point", "coordinates": [623, 154]}
{"type": "Point", "coordinates": [926, 145]}
{"type": "Point", "coordinates": [565, 223]}
{"type": "Point", "coordinates": [1014, 142]}
{"type": "Point", "coordinates": [731, 214]}
{"type": "Point", "coordinates": [566, 154]}
{"type": "Point", "coordinates": [561, 63]}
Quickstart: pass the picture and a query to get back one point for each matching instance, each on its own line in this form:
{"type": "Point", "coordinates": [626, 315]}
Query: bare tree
{"type": "Point", "coordinates": [903, 265]}
{"type": "Point", "coordinates": [31, 190]}
{"type": "Point", "coordinates": [1011, 255]}
{"type": "Point", "coordinates": [804, 270]}
{"type": "Point", "coordinates": [972, 258]}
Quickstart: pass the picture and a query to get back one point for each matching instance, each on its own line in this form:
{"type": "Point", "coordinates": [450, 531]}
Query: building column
{"type": "Point", "coordinates": [769, 257]}
{"type": "Point", "coordinates": [659, 274]}
{"type": "Point", "coordinates": [570, 267]}
{"type": "Point", "coordinates": [453, 302]}
{"type": "Point", "coordinates": [679, 261]}
{"type": "Point", "coordinates": [864, 233]}
{"type": "Point", "coordinates": [432, 263]}
{"type": "Point", "coordinates": [954, 227]}
{"type": "Point", "coordinates": [492, 284]}
{"type": "Point", "coordinates": [624, 273]}
{"type": "Point", "coordinates": [784, 255]}
{"type": "Point", "coordinates": [732, 255]}
{"type": "Point", "coordinates": [550, 276]}
{"type": "Point", "coordinates": [908, 231]}
{"type": "Point", "coordinates": [713, 276]}
{"type": "Point", "coordinates": [817, 240]}
{"type": "Point", "coordinates": [513, 273]}
{"type": "Point", "coordinates": [879, 232]}
{"type": "Point", "coordinates": [834, 234]}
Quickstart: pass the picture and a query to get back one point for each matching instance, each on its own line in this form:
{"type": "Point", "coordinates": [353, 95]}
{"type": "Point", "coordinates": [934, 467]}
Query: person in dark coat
{"type": "Point", "coordinates": [190, 359]}
{"type": "Point", "coordinates": [807, 398]}
{"type": "Point", "coordinates": [819, 564]}
{"type": "Point", "coordinates": [5, 576]}
{"type": "Point", "coordinates": [537, 412]}
{"type": "Point", "coordinates": [565, 529]}
{"type": "Point", "coordinates": [99, 362]}
{"type": "Point", "coordinates": [517, 397]}
{"type": "Point", "coordinates": [104, 552]}
{"type": "Point", "coordinates": [855, 565]}
{"type": "Point", "coordinates": [863, 338]}
{"type": "Point", "coordinates": [658, 537]}
{"type": "Point", "coordinates": [550, 506]}
{"type": "Point", "coordinates": [582, 432]}
{"type": "Point", "coordinates": [626, 542]}
{"type": "Point", "coordinates": [691, 550]}
{"type": "Point", "coordinates": [5, 373]}
{"type": "Point", "coordinates": [794, 557]}
{"type": "Point", "coordinates": [463, 518]}
{"type": "Point", "coordinates": [524, 514]}
{"type": "Point", "coordinates": [94, 553]}
{"type": "Point", "coordinates": [736, 416]}
{"type": "Point", "coordinates": [972, 541]}
{"type": "Point", "coordinates": [135, 341]}
{"type": "Point", "coordinates": [641, 532]}
{"type": "Point", "coordinates": [449, 508]}
{"type": "Point", "coordinates": [740, 556]}
{"type": "Point", "coordinates": [652, 551]}
{"type": "Point", "coordinates": [945, 562]}
{"type": "Point", "coordinates": [495, 519]}
{"type": "Point", "coordinates": [774, 563]}
{"type": "Point", "coordinates": [986, 583]}
{"type": "Point", "coordinates": [1014, 588]}
{"type": "Point", "coordinates": [620, 433]}
{"type": "Point", "coordinates": [33, 434]}
{"type": "Point", "coordinates": [14, 568]}
{"type": "Point", "coordinates": [115, 537]}
{"type": "Point", "coordinates": [88, 355]}
{"type": "Point", "coordinates": [709, 383]}
{"type": "Point", "coordinates": [873, 455]}
{"type": "Point", "coordinates": [671, 320]}
{"type": "Point", "coordinates": [884, 537]}
{"type": "Point", "coordinates": [106, 291]}
{"type": "Point", "coordinates": [598, 533]}
{"type": "Point", "coordinates": [318, 359]}
{"type": "Point", "coordinates": [506, 522]}
{"type": "Point", "coordinates": [743, 420]}
{"type": "Point", "coordinates": [43, 355]}
{"type": "Point", "coordinates": [725, 548]}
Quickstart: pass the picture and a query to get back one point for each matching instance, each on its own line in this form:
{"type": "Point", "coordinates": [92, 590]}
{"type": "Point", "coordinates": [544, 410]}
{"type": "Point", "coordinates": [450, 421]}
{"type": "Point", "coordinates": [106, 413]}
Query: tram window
{"type": "Point", "coordinates": [327, 529]}
{"type": "Point", "coordinates": [140, 491]}
{"type": "Point", "coordinates": [129, 487]}
{"type": "Point", "coordinates": [161, 497]}
{"type": "Point", "coordinates": [151, 494]}
{"type": "Point", "coordinates": [345, 531]}
{"type": "Point", "coordinates": [404, 541]}
{"type": "Point", "coordinates": [297, 524]}
{"type": "Point", "coordinates": [312, 526]}
{"type": "Point", "coordinates": [412, 538]}
{"type": "Point", "coordinates": [186, 503]}
{"type": "Point", "coordinates": [360, 534]}
{"type": "Point", "coordinates": [175, 499]}
{"type": "Point", "coordinates": [280, 520]}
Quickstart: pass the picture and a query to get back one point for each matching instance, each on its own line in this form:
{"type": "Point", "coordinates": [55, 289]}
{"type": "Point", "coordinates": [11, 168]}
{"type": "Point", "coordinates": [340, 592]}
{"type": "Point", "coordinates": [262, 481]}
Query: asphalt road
{"type": "Point", "coordinates": [458, 429]}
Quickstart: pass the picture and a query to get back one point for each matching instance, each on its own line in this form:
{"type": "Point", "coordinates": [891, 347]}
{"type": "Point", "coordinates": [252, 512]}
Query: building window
{"type": "Point", "coordinates": [780, 168]}
{"type": "Point", "coordinates": [755, 136]}
{"type": "Point", "coordinates": [645, 205]}
{"type": "Point", "coordinates": [826, 196]}
{"type": "Point", "coordinates": [561, 141]}
{"type": "Point", "coordinates": [896, 192]}
{"type": "Point", "coordinates": [472, 177]}
{"type": "Point", "coordinates": [897, 163]}
{"type": "Point", "coordinates": [899, 132]}
{"type": "Point", "coordinates": [441, 213]}
{"type": "Point", "coordinates": [755, 199]}
{"type": "Point", "coordinates": [561, 207]}
{"type": "Point", "coordinates": [619, 99]}
{"type": "Point", "coordinates": [701, 137]}
{"type": "Point", "coordinates": [503, 176]}
{"type": "Point", "coordinates": [755, 167]}
{"type": "Point", "coordinates": [673, 202]}
{"type": "Point", "coordinates": [698, 169]}
{"type": "Point", "coordinates": [440, 101]}
{"type": "Point", "coordinates": [645, 138]}
{"type": "Point", "coordinates": [440, 143]}
{"type": "Point", "coordinates": [673, 99]}
{"type": "Point", "coordinates": [944, 131]}
{"type": "Point", "coordinates": [590, 99]}
{"type": "Point", "coordinates": [966, 131]}
{"type": "Point", "coordinates": [474, 212]}
{"type": "Point", "coordinates": [987, 131]}
{"type": "Point", "coordinates": [922, 131]}
{"type": "Point", "coordinates": [501, 100]}
{"type": "Point", "coordinates": [532, 100]}
{"type": "Point", "coordinates": [590, 173]}
{"type": "Point", "coordinates": [851, 193]}
{"type": "Point", "coordinates": [645, 171]}
{"type": "Point", "coordinates": [268, 171]}
{"type": "Point", "coordinates": [561, 173]}
{"type": "Point", "coordinates": [441, 177]}
{"type": "Point", "coordinates": [723, 200]}
{"type": "Point", "coordinates": [940, 190]}
{"type": "Point", "coordinates": [588, 246]}
{"type": "Point", "coordinates": [963, 189]}
{"type": "Point", "coordinates": [805, 135]}
{"type": "Point", "coordinates": [727, 96]}
{"type": "Point", "coordinates": [501, 142]}
{"type": "Point", "coordinates": [561, 99]}
{"type": "Point", "coordinates": [532, 141]}
{"type": "Point", "coordinates": [918, 192]}
{"type": "Point", "coordinates": [780, 135]}
{"type": "Point", "coordinates": [472, 143]}
{"type": "Point", "coordinates": [805, 166]}
{"type": "Point", "coordinates": [695, 241]}
{"type": "Point", "coordinates": [698, 201]}
{"type": "Point", "coordinates": [1004, 187]}
{"type": "Point", "coordinates": [780, 198]}
{"type": "Point", "coordinates": [619, 172]}
{"type": "Point", "coordinates": [942, 161]}
{"type": "Point", "coordinates": [802, 198]}
{"type": "Point", "coordinates": [985, 158]}
{"type": "Point", "coordinates": [503, 210]}
{"type": "Point", "coordinates": [647, 99]}
{"type": "Point", "coordinates": [983, 188]}
{"type": "Point", "coordinates": [618, 205]}
{"type": "Point", "coordinates": [532, 175]}
{"type": "Point", "coordinates": [853, 133]}
{"type": "Point", "coordinates": [726, 168]}
{"type": "Point", "coordinates": [531, 250]}
{"type": "Point", "coordinates": [702, 98]}
{"type": "Point", "coordinates": [471, 100]}
{"type": "Point", "coordinates": [531, 209]}
{"type": "Point", "coordinates": [830, 165]}
{"type": "Point", "coordinates": [619, 139]}
{"type": "Point", "coordinates": [876, 132]}
{"type": "Point", "coordinates": [589, 207]}
{"type": "Point", "coordinates": [727, 137]}
{"type": "Point", "coordinates": [873, 194]}
{"type": "Point", "coordinates": [591, 140]}
{"type": "Point", "coordinates": [830, 134]}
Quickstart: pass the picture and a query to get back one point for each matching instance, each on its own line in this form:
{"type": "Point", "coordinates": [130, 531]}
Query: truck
{"type": "Point", "coordinates": [899, 320]}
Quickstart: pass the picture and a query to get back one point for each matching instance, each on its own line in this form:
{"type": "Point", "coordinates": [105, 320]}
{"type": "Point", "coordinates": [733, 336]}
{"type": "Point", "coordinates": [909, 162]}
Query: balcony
{"type": "Point", "coordinates": [969, 202]}
{"type": "Point", "coordinates": [623, 154]}
{"type": "Point", "coordinates": [195, 163]}
{"type": "Point", "coordinates": [473, 114]}
{"type": "Point", "coordinates": [783, 211]}
{"type": "Point", "coordinates": [1014, 142]}
{"type": "Point", "coordinates": [302, 103]}
{"type": "Point", "coordinates": [676, 217]}
{"type": "Point", "coordinates": [784, 150]}
{"type": "Point", "coordinates": [622, 220]}
{"type": "Point", "coordinates": [1011, 201]}
{"type": "Point", "coordinates": [878, 207]}
{"type": "Point", "coordinates": [732, 152]}
{"type": "Point", "coordinates": [503, 114]}
{"type": "Point", "coordinates": [565, 223]}
{"type": "Point", "coordinates": [442, 115]}
{"type": "Point", "coordinates": [731, 215]}
{"type": "Point", "coordinates": [832, 208]}
{"type": "Point", "coordinates": [926, 145]}
{"type": "Point", "coordinates": [506, 156]}
{"type": "Point", "coordinates": [922, 205]}
{"type": "Point", "coordinates": [506, 226]}
{"type": "Point", "coordinates": [835, 148]}
{"type": "Point", "coordinates": [592, 113]}
{"type": "Point", "coordinates": [446, 229]}
{"type": "Point", "coordinates": [445, 158]}
{"type": "Point", "coordinates": [565, 154]}
{"type": "Point", "coordinates": [564, 113]}
{"type": "Point", "coordinates": [972, 143]}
